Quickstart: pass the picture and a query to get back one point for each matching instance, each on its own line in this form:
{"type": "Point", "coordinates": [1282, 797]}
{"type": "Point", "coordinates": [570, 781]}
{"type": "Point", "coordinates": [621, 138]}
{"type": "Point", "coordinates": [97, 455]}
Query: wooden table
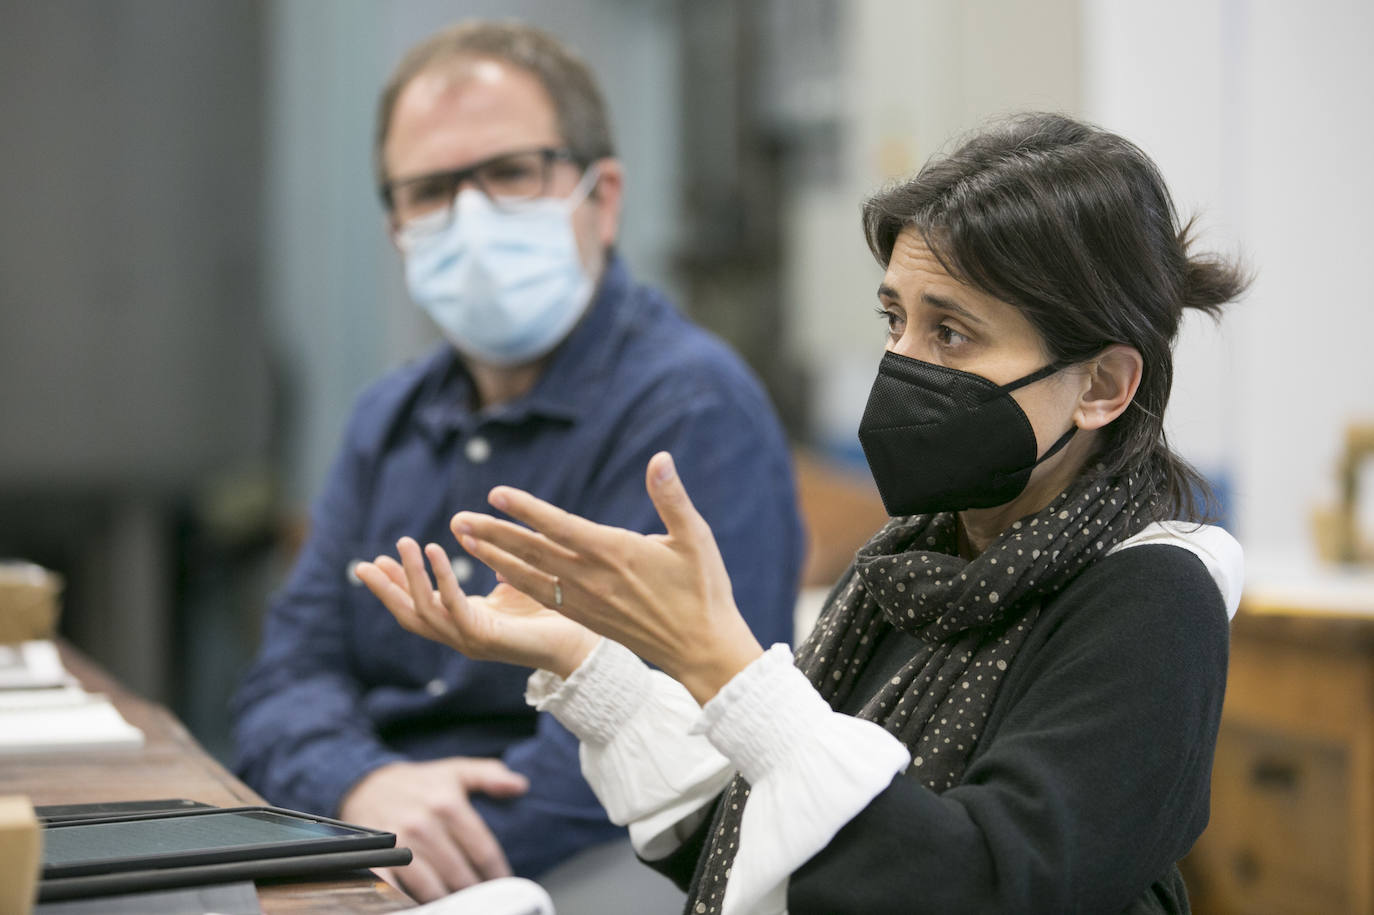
{"type": "Point", "coordinates": [172, 764]}
{"type": "Point", "coordinates": [1292, 825]}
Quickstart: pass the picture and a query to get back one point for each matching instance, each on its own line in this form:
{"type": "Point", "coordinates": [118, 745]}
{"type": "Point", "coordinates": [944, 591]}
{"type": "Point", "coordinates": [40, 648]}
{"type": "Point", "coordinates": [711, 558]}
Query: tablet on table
{"type": "Point", "coordinates": [123, 853]}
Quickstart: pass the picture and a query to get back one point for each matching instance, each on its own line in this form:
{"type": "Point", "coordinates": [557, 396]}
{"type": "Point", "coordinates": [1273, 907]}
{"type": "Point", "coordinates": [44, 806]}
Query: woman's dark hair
{"type": "Point", "coordinates": [1074, 226]}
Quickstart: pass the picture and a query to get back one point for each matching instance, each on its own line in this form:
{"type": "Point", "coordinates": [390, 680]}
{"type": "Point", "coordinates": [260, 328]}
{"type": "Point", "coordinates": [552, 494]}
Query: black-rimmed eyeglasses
{"type": "Point", "coordinates": [507, 179]}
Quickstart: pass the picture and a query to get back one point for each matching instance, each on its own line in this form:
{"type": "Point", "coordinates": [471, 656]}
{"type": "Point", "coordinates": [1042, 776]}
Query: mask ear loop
{"type": "Point", "coordinates": [584, 187]}
{"type": "Point", "coordinates": [1033, 377]}
{"type": "Point", "coordinates": [1054, 449]}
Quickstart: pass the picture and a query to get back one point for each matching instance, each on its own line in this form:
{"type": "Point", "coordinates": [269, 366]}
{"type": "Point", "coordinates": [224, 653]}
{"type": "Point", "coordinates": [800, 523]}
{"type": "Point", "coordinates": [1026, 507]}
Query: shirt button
{"type": "Point", "coordinates": [351, 573]}
{"type": "Point", "coordinates": [462, 569]}
{"type": "Point", "coordinates": [436, 687]}
{"type": "Point", "coordinates": [477, 449]}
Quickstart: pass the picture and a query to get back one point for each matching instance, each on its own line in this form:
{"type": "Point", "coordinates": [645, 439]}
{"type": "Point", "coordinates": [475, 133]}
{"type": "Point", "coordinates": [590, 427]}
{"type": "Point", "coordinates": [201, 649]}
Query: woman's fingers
{"type": "Point", "coordinates": [435, 622]}
{"type": "Point", "coordinates": [532, 548]}
{"type": "Point", "coordinates": [387, 591]}
{"type": "Point", "coordinates": [542, 586]}
{"type": "Point", "coordinates": [577, 536]}
{"type": "Point", "coordinates": [670, 499]}
{"type": "Point", "coordinates": [392, 569]}
{"type": "Point", "coordinates": [572, 533]}
{"type": "Point", "coordinates": [417, 579]}
{"type": "Point", "coordinates": [396, 598]}
{"type": "Point", "coordinates": [455, 602]}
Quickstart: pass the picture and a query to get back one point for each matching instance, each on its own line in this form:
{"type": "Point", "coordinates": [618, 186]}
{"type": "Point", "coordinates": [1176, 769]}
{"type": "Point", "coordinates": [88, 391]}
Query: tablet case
{"type": "Point", "coordinates": [239, 898]}
{"type": "Point", "coordinates": [124, 876]}
{"type": "Point", "coordinates": [57, 888]}
{"type": "Point", "coordinates": [71, 813]}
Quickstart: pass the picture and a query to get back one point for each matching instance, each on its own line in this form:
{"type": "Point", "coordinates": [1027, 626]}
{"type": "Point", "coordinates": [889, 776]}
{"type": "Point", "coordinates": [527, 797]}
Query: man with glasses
{"type": "Point", "coordinates": [559, 375]}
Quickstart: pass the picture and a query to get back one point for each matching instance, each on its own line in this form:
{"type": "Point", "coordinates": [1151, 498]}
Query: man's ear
{"type": "Point", "coordinates": [1113, 377]}
{"type": "Point", "coordinates": [610, 185]}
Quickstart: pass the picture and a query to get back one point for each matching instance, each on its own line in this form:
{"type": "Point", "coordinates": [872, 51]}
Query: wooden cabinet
{"type": "Point", "coordinates": [1292, 824]}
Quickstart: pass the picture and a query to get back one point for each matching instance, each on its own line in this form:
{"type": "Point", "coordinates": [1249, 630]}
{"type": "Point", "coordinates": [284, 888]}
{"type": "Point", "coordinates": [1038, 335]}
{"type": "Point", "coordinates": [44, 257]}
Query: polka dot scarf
{"type": "Point", "coordinates": [970, 617]}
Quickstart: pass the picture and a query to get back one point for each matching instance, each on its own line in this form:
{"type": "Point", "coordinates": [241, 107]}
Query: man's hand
{"type": "Point", "coordinates": [426, 805]}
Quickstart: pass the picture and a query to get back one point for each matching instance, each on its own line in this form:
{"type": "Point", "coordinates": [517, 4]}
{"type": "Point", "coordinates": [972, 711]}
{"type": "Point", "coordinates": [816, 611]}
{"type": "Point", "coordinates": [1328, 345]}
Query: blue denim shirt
{"type": "Point", "coordinates": [339, 689]}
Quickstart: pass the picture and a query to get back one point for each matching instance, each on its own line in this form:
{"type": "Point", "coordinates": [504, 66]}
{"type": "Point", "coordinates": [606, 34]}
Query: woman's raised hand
{"type": "Point", "coordinates": [506, 625]}
{"type": "Point", "coordinates": [666, 597]}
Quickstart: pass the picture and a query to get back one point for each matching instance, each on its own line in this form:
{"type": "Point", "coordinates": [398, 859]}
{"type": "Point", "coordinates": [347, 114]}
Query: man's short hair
{"type": "Point", "coordinates": [577, 102]}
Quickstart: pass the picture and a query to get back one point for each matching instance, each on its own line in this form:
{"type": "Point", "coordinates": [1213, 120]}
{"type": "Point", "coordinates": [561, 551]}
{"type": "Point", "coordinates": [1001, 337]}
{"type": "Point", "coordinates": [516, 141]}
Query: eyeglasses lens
{"type": "Point", "coordinates": [427, 203]}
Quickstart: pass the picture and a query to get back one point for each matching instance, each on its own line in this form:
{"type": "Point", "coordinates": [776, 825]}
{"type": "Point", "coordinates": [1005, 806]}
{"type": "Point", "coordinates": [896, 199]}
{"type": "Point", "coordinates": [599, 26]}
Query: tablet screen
{"type": "Point", "coordinates": [209, 834]}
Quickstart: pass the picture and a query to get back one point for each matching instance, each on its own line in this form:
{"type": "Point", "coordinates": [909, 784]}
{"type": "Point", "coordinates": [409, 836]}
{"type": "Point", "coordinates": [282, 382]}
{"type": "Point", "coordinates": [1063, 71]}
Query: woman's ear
{"type": "Point", "coordinates": [1113, 377]}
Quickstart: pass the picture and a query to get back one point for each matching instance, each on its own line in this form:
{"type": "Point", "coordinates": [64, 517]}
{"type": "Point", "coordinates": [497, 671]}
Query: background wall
{"type": "Point", "coordinates": [136, 370]}
{"type": "Point", "coordinates": [1258, 113]}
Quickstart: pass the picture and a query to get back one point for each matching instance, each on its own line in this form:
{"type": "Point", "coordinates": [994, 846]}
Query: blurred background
{"type": "Point", "coordinates": [195, 281]}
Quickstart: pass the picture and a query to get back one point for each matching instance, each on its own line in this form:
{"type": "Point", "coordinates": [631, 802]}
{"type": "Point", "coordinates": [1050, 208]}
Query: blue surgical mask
{"type": "Point", "coordinates": [504, 285]}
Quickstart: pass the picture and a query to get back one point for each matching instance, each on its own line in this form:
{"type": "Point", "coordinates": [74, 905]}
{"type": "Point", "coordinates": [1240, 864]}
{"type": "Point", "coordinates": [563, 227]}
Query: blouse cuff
{"type": "Point", "coordinates": [598, 698]}
{"type": "Point", "coordinates": [810, 769]}
{"type": "Point", "coordinates": [636, 752]}
{"type": "Point", "coordinates": [763, 716]}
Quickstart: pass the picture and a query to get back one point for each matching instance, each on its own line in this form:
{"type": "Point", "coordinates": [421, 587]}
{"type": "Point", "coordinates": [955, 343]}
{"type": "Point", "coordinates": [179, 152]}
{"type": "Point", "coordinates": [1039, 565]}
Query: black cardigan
{"type": "Point", "coordinates": [1090, 780]}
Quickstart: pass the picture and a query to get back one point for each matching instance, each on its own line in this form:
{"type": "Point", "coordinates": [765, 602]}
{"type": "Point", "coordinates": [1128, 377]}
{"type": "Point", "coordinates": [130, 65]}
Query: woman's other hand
{"type": "Point", "coordinates": [666, 597]}
{"type": "Point", "coordinates": [506, 625]}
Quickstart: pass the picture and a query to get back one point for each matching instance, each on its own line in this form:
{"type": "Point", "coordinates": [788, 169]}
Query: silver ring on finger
{"type": "Point", "coordinates": [557, 594]}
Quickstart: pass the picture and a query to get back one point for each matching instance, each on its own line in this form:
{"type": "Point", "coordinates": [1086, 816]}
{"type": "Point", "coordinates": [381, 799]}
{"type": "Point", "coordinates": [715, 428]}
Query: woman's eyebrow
{"type": "Point", "coordinates": [935, 300]}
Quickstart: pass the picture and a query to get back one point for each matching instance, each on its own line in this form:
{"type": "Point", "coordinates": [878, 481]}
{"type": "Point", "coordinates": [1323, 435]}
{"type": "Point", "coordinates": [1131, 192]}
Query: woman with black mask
{"type": "Point", "coordinates": [1011, 699]}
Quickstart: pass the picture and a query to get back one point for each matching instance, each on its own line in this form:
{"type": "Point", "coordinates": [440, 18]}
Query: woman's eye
{"type": "Point", "coordinates": [894, 320]}
{"type": "Point", "coordinates": [948, 336]}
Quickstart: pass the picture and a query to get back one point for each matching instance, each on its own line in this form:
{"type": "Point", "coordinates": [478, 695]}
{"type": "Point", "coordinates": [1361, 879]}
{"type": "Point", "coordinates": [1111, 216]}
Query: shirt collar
{"type": "Point", "coordinates": [566, 389]}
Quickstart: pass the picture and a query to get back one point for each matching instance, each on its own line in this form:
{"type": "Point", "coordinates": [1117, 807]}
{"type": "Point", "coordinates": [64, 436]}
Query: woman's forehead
{"type": "Point", "coordinates": [914, 273]}
{"type": "Point", "coordinates": [912, 257]}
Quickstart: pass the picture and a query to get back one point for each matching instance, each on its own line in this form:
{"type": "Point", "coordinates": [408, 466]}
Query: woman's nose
{"type": "Point", "coordinates": [905, 345]}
